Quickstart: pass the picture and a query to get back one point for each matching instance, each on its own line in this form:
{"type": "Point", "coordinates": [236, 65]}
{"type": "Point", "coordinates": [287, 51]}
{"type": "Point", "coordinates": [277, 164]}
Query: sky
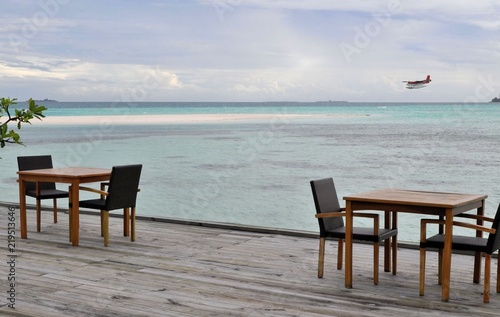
{"type": "Point", "coordinates": [249, 50]}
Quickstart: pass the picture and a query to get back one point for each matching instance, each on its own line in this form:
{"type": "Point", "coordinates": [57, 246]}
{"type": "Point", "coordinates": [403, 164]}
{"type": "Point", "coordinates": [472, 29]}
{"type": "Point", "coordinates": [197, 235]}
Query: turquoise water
{"type": "Point", "coordinates": [258, 172]}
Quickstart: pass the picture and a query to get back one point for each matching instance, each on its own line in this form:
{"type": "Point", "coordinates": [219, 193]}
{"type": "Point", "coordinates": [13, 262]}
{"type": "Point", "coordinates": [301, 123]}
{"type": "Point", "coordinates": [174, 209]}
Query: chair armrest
{"type": "Point", "coordinates": [473, 226]}
{"type": "Point", "coordinates": [425, 222]}
{"type": "Point", "coordinates": [93, 190]}
{"type": "Point", "coordinates": [330, 215]}
{"type": "Point", "coordinates": [375, 217]}
{"type": "Point", "coordinates": [477, 217]}
{"type": "Point", "coordinates": [342, 214]}
{"type": "Point", "coordinates": [423, 227]}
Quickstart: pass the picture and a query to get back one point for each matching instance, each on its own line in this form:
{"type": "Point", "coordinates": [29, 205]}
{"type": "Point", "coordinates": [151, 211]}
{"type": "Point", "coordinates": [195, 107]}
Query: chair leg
{"type": "Point", "coordinates": [55, 210]}
{"type": "Point", "coordinates": [387, 255]}
{"type": "Point", "coordinates": [69, 217]}
{"type": "Point", "coordinates": [102, 223]}
{"type": "Point", "coordinates": [376, 250]}
{"type": "Point", "coordinates": [487, 273]}
{"type": "Point", "coordinates": [105, 226]}
{"type": "Point", "coordinates": [477, 267]}
{"type": "Point", "coordinates": [394, 244]}
{"type": "Point", "coordinates": [498, 273]}
{"type": "Point", "coordinates": [132, 225]}
{"type": "Point", "coordinates": [69, 211]}
{"type": "Point", "coordinates": [387, 243]}
{"type": "Point", "coordinates": [422, 271]}
{"type": "Point", "coordinates": [126, 222]}
{"type": "Point", "coordinates": [321, 258]}
{"type": "Point", "coordinates": [340, 254]}
{"type": "Point", "coordinates": [394, 255]}
{"type": "Point", "coordinates": [440, 266]}
{"type": "Point", "coordinates": [38, 215]}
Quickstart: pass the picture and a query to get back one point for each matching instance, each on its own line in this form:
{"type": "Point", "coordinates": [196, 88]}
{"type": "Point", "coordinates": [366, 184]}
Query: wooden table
{"type": "Point", "coordinates": [430, 203]}
{"type": "Point", "coordinates": [71, 175]}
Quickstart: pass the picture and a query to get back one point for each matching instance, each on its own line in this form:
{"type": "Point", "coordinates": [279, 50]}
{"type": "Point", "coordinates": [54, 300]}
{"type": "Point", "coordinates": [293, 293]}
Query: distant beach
{"type": "Point", "coordinates": [181, 118]}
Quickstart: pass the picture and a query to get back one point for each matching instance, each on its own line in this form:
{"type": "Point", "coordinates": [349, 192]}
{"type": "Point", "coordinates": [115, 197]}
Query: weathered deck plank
{"type": "Point", "coordinates": [182, 270]}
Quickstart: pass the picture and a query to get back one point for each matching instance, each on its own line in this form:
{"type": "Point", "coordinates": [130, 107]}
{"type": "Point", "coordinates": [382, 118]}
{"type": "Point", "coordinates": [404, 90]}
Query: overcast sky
{"type": "Point", "coordinates": [249, 50]}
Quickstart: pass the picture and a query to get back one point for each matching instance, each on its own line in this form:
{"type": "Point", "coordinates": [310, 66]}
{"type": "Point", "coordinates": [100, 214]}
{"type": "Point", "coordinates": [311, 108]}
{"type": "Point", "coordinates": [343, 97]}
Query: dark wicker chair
{"type": "Point", "coordinates": [331, 226]}
{"type": "Point", "coordinates": [121, 194]}
{"type": "Point", "coordinates": [488, 246]}
{"type": "Point", "coordinates": [46, 190]}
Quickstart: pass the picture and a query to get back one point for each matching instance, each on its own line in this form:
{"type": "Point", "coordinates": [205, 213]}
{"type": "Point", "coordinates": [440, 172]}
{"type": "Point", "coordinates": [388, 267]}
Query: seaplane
{"type": "Point", "coordinates": [417, 84]}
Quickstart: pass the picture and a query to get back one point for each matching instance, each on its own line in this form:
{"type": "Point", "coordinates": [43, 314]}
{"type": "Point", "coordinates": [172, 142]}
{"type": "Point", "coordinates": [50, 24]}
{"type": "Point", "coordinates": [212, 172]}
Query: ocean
{"type": "Point", "coordinates": [257, 172]}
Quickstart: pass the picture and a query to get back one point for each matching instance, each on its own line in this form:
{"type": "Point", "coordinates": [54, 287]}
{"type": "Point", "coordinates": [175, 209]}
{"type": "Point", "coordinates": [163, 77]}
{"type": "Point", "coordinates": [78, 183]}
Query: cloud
{"type": "Point", "coordinates": [252, 50]}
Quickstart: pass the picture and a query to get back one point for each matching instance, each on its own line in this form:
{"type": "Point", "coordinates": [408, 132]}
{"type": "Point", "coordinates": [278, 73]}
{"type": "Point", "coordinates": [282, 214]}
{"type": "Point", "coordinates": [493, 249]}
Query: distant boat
{"type": "Point", "coordinates": [496, 99]}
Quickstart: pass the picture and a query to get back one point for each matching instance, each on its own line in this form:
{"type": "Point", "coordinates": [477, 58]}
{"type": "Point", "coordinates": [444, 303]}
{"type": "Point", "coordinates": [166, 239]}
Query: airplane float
{"type": "Point", "coordinates": [417, 84]}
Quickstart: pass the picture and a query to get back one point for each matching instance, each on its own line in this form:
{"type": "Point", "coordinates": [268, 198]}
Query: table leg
{"type": "Point", "coordinates": [38, 208]}
{"type": "Point", "coordinates": [446, 274]}
{"type": "Point", "coordinates": [477, 255]}
{"type": "Point", "coordinates": [387, 242]}
{"type": "Point", "coordinates": [394, 244]}
{"type": "Point", "coordinates": [348, 245]}
{"type": "Point", "coordinates": [75, 219]}
{"type": "Point", "coordinates": [22, 208]}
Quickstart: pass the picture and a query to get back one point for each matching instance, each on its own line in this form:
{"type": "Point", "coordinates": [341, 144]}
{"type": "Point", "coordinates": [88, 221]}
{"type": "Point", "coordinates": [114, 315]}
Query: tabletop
{"type": "Point", "coordinates": [72, 172]}
{"type": "Point", "coordinates": [415, 197]}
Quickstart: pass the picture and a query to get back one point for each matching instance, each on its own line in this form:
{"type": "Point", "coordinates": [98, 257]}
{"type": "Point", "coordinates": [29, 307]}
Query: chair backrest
{"type": "Point", "coordinates": [123, 187]}
{"type": "Point", "coordinates": [326, 200]}
{"type": "Point", "coordinates": [494, 238]}
{"type": "Point", "coordinates": [26, 163]}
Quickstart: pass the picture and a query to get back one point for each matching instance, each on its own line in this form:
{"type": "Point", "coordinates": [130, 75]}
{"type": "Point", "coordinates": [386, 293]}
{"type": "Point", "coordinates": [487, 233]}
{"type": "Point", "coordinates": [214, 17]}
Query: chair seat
{"type": "Point", "coordinates": [363, 234]}
{"type": "Point", "coordinates": [48, 193]}
{"type": "Point", "coordinates": [487, 246]}
{"type": "Point", "coordinates": [93, 203]}
{"type": "Point", "coordinates": [464, 243]}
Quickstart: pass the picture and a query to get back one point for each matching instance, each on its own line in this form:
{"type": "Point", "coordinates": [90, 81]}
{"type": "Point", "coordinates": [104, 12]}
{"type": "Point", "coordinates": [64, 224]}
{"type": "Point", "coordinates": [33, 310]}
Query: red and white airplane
{"type": "Point", "coordinates": [418, 83]}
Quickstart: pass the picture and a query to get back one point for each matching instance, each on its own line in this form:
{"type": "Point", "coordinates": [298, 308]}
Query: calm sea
{"type": "Point", "coordinates": [258, 172]}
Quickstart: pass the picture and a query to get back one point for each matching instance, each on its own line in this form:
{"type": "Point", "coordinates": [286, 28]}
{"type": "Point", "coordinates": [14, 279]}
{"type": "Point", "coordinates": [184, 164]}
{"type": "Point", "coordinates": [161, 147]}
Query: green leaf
{"type": "Point", "coordinates": [20, 116]}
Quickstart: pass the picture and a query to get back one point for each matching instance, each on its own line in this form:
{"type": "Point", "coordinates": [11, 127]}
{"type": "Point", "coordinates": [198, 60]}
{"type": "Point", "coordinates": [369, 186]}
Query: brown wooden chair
{"type": "Point", "coordinates": [121, 194]}
{"type": "Point", "coordinates": [45, 190]}
{"type": "Point", "coordinates": [488, 246]}
{"type": "Point", "coordinates": [331, 226]}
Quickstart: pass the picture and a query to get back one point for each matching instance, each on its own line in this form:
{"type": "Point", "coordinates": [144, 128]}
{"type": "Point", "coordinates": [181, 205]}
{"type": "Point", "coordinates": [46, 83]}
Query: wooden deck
{"type": "Point", "coordinates": [183, 270]}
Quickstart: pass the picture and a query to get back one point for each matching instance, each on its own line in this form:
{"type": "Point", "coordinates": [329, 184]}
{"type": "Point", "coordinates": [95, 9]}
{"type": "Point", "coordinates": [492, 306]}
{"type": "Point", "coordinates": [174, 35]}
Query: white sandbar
{"type": "Point", "coordinates": [171, 119]}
